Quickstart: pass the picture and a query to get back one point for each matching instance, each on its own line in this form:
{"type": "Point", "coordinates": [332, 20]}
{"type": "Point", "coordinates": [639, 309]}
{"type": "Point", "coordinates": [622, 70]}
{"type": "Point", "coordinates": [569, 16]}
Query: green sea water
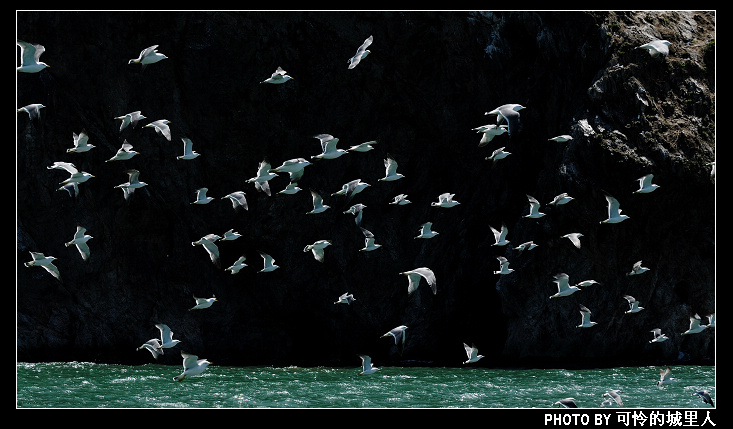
{"type": "Point", "coordinates": [93, 385]}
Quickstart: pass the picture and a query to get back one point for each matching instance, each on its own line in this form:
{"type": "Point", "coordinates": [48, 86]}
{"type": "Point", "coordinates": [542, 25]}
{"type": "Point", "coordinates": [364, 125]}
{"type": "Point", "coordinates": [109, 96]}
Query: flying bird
{"type": "Point", "coordinates": [367, 367]}
{"type": "Point", "coordinates": [695, 326]}
{"type": "Point", "coordinates": [231, 235]}
{"type": "Point", "coordinates": [188, 152]}
{"type": "Point", "coordinates": [657, 48]}
{"type": "Point", "coordinates": [414, 277]}
{"type": "Point", "coordinates": [208, 243]}
{"type": "Point", "coordinates": [497, 155]}
{"type": "Point", "coordinates": [237, 265]}
{"type": "Point", "coordinates": [328, 147]}
{"type": "Point", "coordinates": [45, 262]}
{"type": "Point", "coordinates": [658, 336]}
{"type": "Point", "coordinates": [369, 243]}
{"type": "Point", "coordinates": [528, 245]}
{"type": "Point", "coordinates": [563, 286]}
{"type": "Point", "coordinates": [489, 132]}
{"type": "Point", "coordinates": [500, 236]}
{"type": "Point", "coordinates": [350, 189]}
{"type": "Point", "coordinates": [363, 147]}
{"type": "Point", "coordinates": [561, 139]}
{"type": "Point", "coordinates": [400, 200]}
{"type": "Point", "coordinates": [201, 197]}
{"type": "Point", "coordinates": [75, 175]}
{"type": "Point", "coordinates": [398, 333]}
{"type": "Point", "coordinates": [346, 298]}
{"type": "Point", "coordinates": [318, 206]}
{"type": "Point", "coordinates": [30, 55]}
{"type": "Point", "coordinates": [166, 336]}
{"type": "Point", "coordinates": [472, 353]}
{"type": "Point", "coordinates": [161, 128]}
{"type": "Point", "coordinates": [665, 376]}
{"type": "Point", "coordinates": [425, 231]}
{"type": "Point", "coordinates": [124, 153]}
{"type": "Point", "coordinates": [503, 266]}
{"type": "Point", "coordinates": [148, 56]}
{"type": "Point", "coordinates": [567, 403]}
{"type": "Point", "coordinates": [72, 188]}
{"type": "Point", "coordinates": [192, 365]}
{"type": "Point", "coordinates": [295, 165]}
{"type": "Point", "coordinates": [278, 77]}
{"type": "Point", "coordinates": [634, 306]}
{"type": "Point", "coordinates": [361, 53]}
{"type": "Point", "coordinates": [637, 269]}
{"type": "Point", "coordinates": [645, 185]}
{"type": "Point", "coordinates": [238, 199]}
{"type": "Point", "coordinates": [705, 395]}
{"type": "Point", "coordinates": [614, 394]}
{"type": "Point", "coordinates": [153, 346]}
{"type": "Point", "coordinates": [585, 321]}
{"type": "Point", "coordinates": [586, 283]}
{"type": "Point", "coordinates": [132, 183]}
{"type": "Point", "coordinates": [131, 118]}
{"type": "Point", "coordinates": [263, 176]}
{"type": "Point", "coordinates": [574, 237]}
{"type": "Point", "coordinates": [356, 210]}
{"type": "Point", "coordinates": [614, 210]}
{"type": "Point", "coordinates": [318, 249]}
{"type": "Point", "coordinates": [445, 200]}
{"type": "Point", "coordinates": [391, 173]}
{"type": "Point", "coordinates": [33, 110]}
{"type": "Point", "coordinates": [202, 303]}
{"type": "Point", "coordinates": [80, 241]}
{"type": "Point", "coordinates": [561, 199]}
{"type": "Point", "coordinates": [81, 142]}
{"type": "Point", "coordinates": [508, 113]}
{"type": "Point", "coordinates": [269, 263]}
{"type": "Point", "coordinates": [534, 208]}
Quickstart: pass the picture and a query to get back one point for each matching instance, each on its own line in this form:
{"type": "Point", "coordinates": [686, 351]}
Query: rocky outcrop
{"type": "Point", "coordinates": [428, 81]}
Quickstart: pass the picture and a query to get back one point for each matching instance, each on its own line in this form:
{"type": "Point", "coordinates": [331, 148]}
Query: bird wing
{"type": "Point", "coordinates": [189, 360]}
{"type": "Point", "coordinates": [390, 165]}
{"type": "Point", "coordinates": [69, 167]}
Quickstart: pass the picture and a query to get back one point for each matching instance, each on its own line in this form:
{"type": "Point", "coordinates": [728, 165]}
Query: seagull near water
{"type": "Point", "coordinates": [238, 199]}
{"type": "Point", "coordinates": [278, 77]}
{"type": "Point", "coordinates": [201, 197]}
{"type": "Point", "coordinates": [81, 143]}
{"type": "Point", "coordinates": [153, 346]}
{"type": "Point", "coordinates": [658, 336]}
{"type": "Point", "coordinates": [72, 188]}
{"type": "Point", "coordinates": [188, 152]}
{"type": "Point", "coordinates": [613, 397]}
{"type": "Point", "coordinates": [489, 132]}
{"type": "Point", "coordinates": [124, 153]}
{"type": "Point", "coordinates": [192, 365]}
{"type": "Point", "coordinates": [500, 236]}
{"type": "Point", "coordinates": [202, 303]}
{"type": "Point", "coordinates": [705, 395]}
{"type": "Point", "coordinates": [634, 306]}
{"type": "Point", "coordinates": [503, 266]}
{"type": "Point", "coordinates": [426, 231]}
{"type": "Point", "coordinates": [391, 173]}
{"type": "Point", "coordinates": [231, 235]}
{"type": "Point", "coordinates": [645, 185]}
{"type": "Point", "coordinates": [131, 118]}
{"type": "Point", "coordinates": [567, 403]}
{"type": "Point", "coordinates": [614, 210]}
{"type": "Point", "coordinates": [166, 336]}
{"type": "Point", "coordinates": [208, 243]}
{"type": "Point", "coordinates": [318, 249]}
{"type": "Point", "coordinates": [586, 283]}
{"type": "Point", "coordinates": [534, 208]}
{"type": "Point", "coordinates": [328, 147]}
{"type": "Point", "coordinates": [161, 128]}
{"type": "Point", "coordinates": [414, 277]}
{"type": "Point", "coordinates": [148, 56]}
{"type": "Point", "coordinates": [574, 237]}
{"type": "Point", "coordinates": [237, 265]}
{"type": "Point", "coordinates": [585, 320]}
{"type": "Point", "coordinates": [528, 245]}
{"type": "Point", "coordinates": [695, 326]}
{"type": "Point", "coordinates": [665, 376]}
{"type": "Point", "coordinates": [563, 286]}
{"type": "Point", "coordinates": [30, 55]}
{"type": "Point", "coordinates": [295, 165]}
{"type": "Point", "coordinates": [657, 48]}
{"type": "Point", "coordinates": [508, 113]}
{"type": "Point", "coordinates": [269, 263]}
{"type": "Point", "coordinates": [346, 298]}
{"type": "Point", "coordinates": [445, 200]}
{"type": "Point", "coordinates": [33, 110]}
{"type": "Point", "coordinates": [318, 206]}
{"type": "Point", "coordinates": [80, 241]}
{"type": "Point", "coordinates": [367, 367]}
{"type": "Point", "coordinates": [471, 353]}
{"type": "Point", "coordinates": [45, 262]}
{"type": "Point", "coordinates": [369, 244]}
{"type": "Point", "coordinates": [361, 53]}
{"type": "Point", "coordinates": [637, 269]}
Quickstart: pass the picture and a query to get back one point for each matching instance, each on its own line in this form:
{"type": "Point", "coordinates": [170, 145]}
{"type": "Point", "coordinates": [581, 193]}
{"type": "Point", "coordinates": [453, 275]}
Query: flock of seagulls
{"type": "Point", "coordinates": [507, 122]}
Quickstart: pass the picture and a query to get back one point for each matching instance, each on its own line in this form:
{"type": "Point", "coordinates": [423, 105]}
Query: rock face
{"type": "Point", "coordinates": [427, 83]}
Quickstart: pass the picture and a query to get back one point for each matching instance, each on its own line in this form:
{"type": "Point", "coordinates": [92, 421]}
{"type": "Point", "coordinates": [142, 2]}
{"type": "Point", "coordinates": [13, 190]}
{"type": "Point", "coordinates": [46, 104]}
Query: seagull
{"type": "Point", "coordinates": [202, 303]}
{"type": "Point", "coordinates": [369, 243]}
{"type": "Point", "coordinates": [561, 199]}
{"type": "Point", "coordinates": [280, 76]}
{"type": "Point", "coordinates": [132, 183]}
{"type": "Point", "coordinates": [585, 322]}
{"type": "Point", "coordinates": [123, 153]}
{"type": "Point", "coordinates": [295, 176]}
{"type": "Point", "coordinates": [207, 242]}
{"type": "Point", "coordinates": [81, 142]}
{"type": "Point", "coordinates": [489, 132]}
{"type": "Point", "coordinates": [231, 235]}
{"type": "Point", "coordinates": [563, 286]}
{"type": "Point", "coordinates": [561, 139]}
{"type": "Point", "coordinates": [80, 241]}
{"type": "Point", "coordinates": [567, 403]}
{"type": "Point", "coordinates": [398, 333]}
{"type": "Point", "coordinates": [166, 336]}
{"type": "Point", "coordinates": [75, 175]}
{"type": "Point", "coordinates": [45, 262]}
{"type": "Point", "coordinates": [637, 269]}
{"type": "Point", "coordinates": [529, 245]}
{"type": "Point", "coordinates": [658, 336]}
{"type": "Point", "coordinates": [153, 346]}
{"type": "Point", "coordinates": [445, 200]}
{"type": "Point", "coordinates": [695, 326]}
{"type": "Point", "coordinates": [414, 276]}
{"type": "Point", "coordinates": [509, 113]}
{"type": "Point", "coordinates": [328, 147]}
{"type": "Point", "coordinates": [362, 147]}
{"type": "Point", "coordinates": [346, 298]}
{"type": "Point", "coordinates": [498, 154]}
{"type": "Point", "coordinates": [426, 232]}
{"type": "Point", "coordinates": [367, 367]}
{"type": "Point", "coordinates": [500, 237]}
{"type": "Point", "coordinates": [665, 376]}
{"type": "Point", "coordinates": [192, 365]}
{"type": "Point", "coordinates": [712, 170]}
{"type": "Point", "coordinates": [148, 56]}
{"type": "Point", "coordinates": [239, 202]}
{"type": "Point", "coordinates": [656, 48]}
{"type": "Point", "coordinates": [711, 320]}
{"type": "Point", "coordinates": [72, 188]}
{"type": "Point", "coordinates": [188, 152]}
{"type": "Point", "coordinates": [318, 249]}
{"type": "Point", "coordinates": [614, 394]}
{"type": "Point", "coordinates": [131, 118]}
{"type": "Point", "coordinates": [356, 210]}
{"type": "Point", "coordinates": [33, 110]}
{"type": "Point", "coordinates": [201, 197]}
{"type": "Point", "coordinates": [294, 165]}
{"type": "Point", "coordinates": [633, 304]}
{"type": "Point", "coordinates": [574, 237]}
{"type": "Point", "coordinates": [269, 263]}
{"type": "Point", "coordinates": [318, 206]}
{"type": "Point", "coordinates": [705, 395]}
{"type": "Point", "coordinates": [534, 208]}
{"type": "Point", "coordinates": [29, 57]}
{"type": "Point", "coordinates": [645, 185]}
{"type": "Point", "coordinates": [400, 200]}
{"type": "Point", "coordinates": [614, 211]}
{"type": "Point", "coordinates": [351, 188]}
{"type": "Point", "coordinates": [472, 353]}
{"type": "Point", "coordinates": [291, 189]}
{"type": "Point", "coordinates": [586, 283]}
{"type": "Point", "coordinates": [391, 170]}
{"type": "Point", "coordinates": [161, 127]}
{"type": "Point", "coordinates": [264, 174]}
{"type": "Point", "coordinates": [361, 53]}
{"type": "Point", "coordinates": [503, 266]}
{"type": "Point", "coordinates": [237, 265]}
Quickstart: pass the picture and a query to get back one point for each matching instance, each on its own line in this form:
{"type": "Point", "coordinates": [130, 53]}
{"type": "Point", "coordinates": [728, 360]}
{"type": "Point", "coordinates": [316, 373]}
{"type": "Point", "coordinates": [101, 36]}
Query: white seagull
{"type": "Point", "coordinates": [528, 245]}
{"type": "Point", "coordinates": [269, 263]}
{"type": "Point", "coordinates": [166, 336]}
{"type": "Point", "coordinates": [231, 235]}
{"type": "Point", "coordinates": [328, 147]}
{"type": "Point", "coordinates": [503, 266]}
{"type": "Point", "coordinates": [295, 165]}
{"type": "Point", "coordinates": [161, 127]}
{"type": "Point", "coordinates": [614, 210]}
{"type": "Point", "coordinates": [391, 173]}
{"type": "Point", "coordinates": [318, 206]}
{"type": "Point", "coordinates": [361, 53]}
{"type": "Point", "coordinates": [291, 188]}
{"type": "Point", "coordinates": [500, 236]}
{"type": "Point", "coordinates": [350, 189]}
{"type": "Point", "coordinates": [498, 154]}
{"type": "Point", "coordinates": [445, 200]}
{"type": "Point", "coordinates": [665, 376]}
{"type": "Point", "coordinates": [132, 183]}
{"type": "Point", "coordinates": [188, 152]}
{"type": "Point", "coordinates": [695, 326]}
{"type": "Point", "coordinates": [614, 394]}
{"type": "Point", "coordinates": [561, 199]}
{"type": "Point", "coordinates": [563, 286]}
{"type": "Point", "coordinates": [238, 199]}
{"type": "Point", "coordinates": [585, 321]}
{"type": "Point", "coordinates": [81, 142]}
{"type": "Point", "coordinates": [637, 269]}
{"type": "Point", "coordinates": [472, 353]}
{"type": "Point", "coordinates": [45, 262]}
{"type": "Point", "coordinates": [369, 243]}
{"type": "Point", "coordinates": [705, 395]}
{"type": "Point", "coordinates": [201, 197]}
{"type": "Point", "coordinates": [367, 367]}
{"type": "Point", "coordinates": [574, 237]}
{"type": "Point", "coordinates": [567, 403]}
{"type": "Point", "coordinates": [264, 175]}
{"type": "Point", "coordinates": [534, 208]}
{"type": "Point", "coordinates": [489, 132]}
{"type": "Point", "coordinates": [75, 175]}
{"type": "Point", "coordinates": [645, 185]}
{"type": "Point", "coordinates": [658, 336]}
{"type": "Point", "coordinates": [318, 249]}
{"type": "Point", "coordinates": [33, 110]}
{"type": "Point", "coordinates": [426, 232]}
{"type": "Point", "coordinates": [656, 48]}
{"type": "Point", "coordinates": [711, 320]}
{"type": "Point", "coordinates": [346, 298]}
{"type": "Point", "coordinates": [400, 200]}
{"type": "Point", "coordinates": [30, 55]}
{"type": "Point", "coordinates": [131, 118]}
{"type": "Point", "coordinates": [208, 243]}
{"type": "Point", "coordinates": [148, 56]}
{"type": "Point", "coordinates": [123, 153]}
{"type": "Point", "coordinates": [80, 241]}
{"type": "Point", "coordinates": [586, 283]}
{"type": "Point", "coordinates": [202, 303]}
{"type": "Point", "coordinates": [363, 147]}
{"type": "Point", "coordinates": [237, 265]}
{"type": "Point", "coordinates": [561, 139]}
{"type": "Point", "coordinates": [153, 346]}
{"type": "Point", "coordinates": [278, 77]}
{"type": "Point", "coordinates": [356, 210]}
{"type": "Point", "coordinates": [192, 365]}
{"type": "Point", "coordinates": [508, 113]}
{"type": "Point", "coordinates": [72, 188]}
{"type": "Point", "coordinates": [398, 333]}
{"type": "Point", "coordinates": [634, 306]}
{"type": "Point", "coordinates": [414, 277]}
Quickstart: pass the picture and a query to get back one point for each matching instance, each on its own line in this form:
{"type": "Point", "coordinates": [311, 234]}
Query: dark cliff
{"type": "Point", "coordinates": [427, 83]}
